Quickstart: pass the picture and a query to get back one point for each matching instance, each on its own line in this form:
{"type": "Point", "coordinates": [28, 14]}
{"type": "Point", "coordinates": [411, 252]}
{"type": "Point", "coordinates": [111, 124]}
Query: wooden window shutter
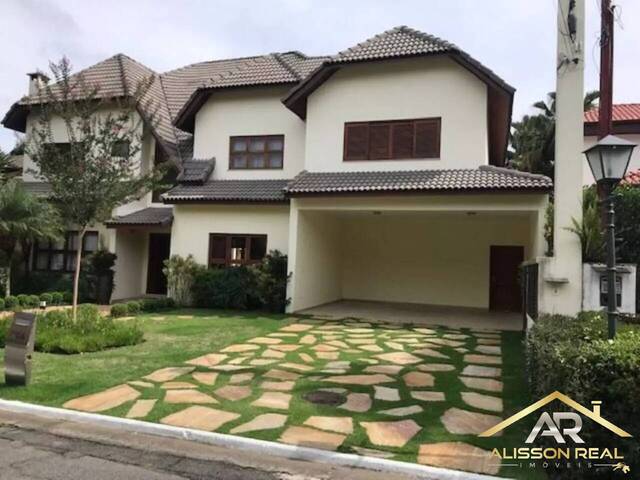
{"type": "Point", "coordinates": [379, 141]}
{"type": "Point", "coordinates": [402, 140]}
{"type": "Point", "coordinates": [356, 141]}
{"type": "Point", "coordinates": [427, 139]}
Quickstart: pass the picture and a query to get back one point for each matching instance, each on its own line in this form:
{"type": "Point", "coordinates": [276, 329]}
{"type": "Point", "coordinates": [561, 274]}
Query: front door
{"type": "Point", "coordinates": [159, 248]}
{"type": "Point", "coordinates": [504, 290]}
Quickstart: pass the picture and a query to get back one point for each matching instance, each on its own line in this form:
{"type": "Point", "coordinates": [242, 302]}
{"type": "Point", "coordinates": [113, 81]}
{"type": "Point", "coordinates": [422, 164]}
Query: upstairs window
{"type": "Point", "coordinates": [120, 148]}
{"type": "Point", "coordinates": [392, 140]}
{"type": "Point", "coordinates": [256, 152]}
{"type": "Point", "coordinates": [60, 256]}
{"type": "Point", "coordinates": [226, 250]}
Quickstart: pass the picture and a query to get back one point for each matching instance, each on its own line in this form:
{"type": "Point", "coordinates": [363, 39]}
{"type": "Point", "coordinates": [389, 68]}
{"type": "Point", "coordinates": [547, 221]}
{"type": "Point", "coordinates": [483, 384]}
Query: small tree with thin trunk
{"type": "Point", "coordinates": [98, 167]}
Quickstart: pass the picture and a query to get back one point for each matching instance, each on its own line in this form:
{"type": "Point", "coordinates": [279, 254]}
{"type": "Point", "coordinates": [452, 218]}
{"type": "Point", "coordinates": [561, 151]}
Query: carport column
{"type": "Point", "coordinates": [292, 255]}
{"type": "Point", "coordinates": [563, 281]}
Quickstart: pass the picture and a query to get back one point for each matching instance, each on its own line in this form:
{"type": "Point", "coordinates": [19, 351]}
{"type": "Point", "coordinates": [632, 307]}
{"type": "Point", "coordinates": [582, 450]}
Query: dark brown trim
{"type": "Point", "coordinates": [627, 127]}
{"type": "Point", "coordinates": [265, 151]}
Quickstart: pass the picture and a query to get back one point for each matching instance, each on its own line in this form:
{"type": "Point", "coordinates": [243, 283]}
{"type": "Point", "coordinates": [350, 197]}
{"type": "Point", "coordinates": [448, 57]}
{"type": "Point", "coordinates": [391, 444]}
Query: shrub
{"type": "Point", "coordinates": [67, 297]}
{"type": "Point", "coordinates": [573, 356]}
{"type": "Point", "coordinates": [271, 281]}
{"type": "Point", "coordinates": [47, 297]}
{"type": "Point", "coordinates": [134, 307]}
{"type": "Point", "coordinates": [23, 300]}
{"type": "Point", "coordinates": [226, 288]}
{"type": "Point", "coordinates": [5, 323]}
{"type": "Point", "coordinates": [57, 298]}
{"type": "Point", "coordinates": [1, 304]}
{"type": "Point", "coordinates": [33, 301]}
{"type": "Point", "coordinates": [151, 305]}
{"type": "Point", "coordinates": [119, 310]}
{"type": "Point", "coordinates": [180, 273]}
{"type": "Point", "coordinates": [11, 302]}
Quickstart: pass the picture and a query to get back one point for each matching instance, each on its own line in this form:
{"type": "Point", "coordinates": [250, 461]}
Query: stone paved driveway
{"type": "Point", "coordinates": [392, 391]}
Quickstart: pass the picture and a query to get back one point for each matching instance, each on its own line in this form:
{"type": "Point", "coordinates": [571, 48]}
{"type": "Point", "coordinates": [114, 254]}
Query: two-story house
{"type": "Point", "coordinates": [379, 171]}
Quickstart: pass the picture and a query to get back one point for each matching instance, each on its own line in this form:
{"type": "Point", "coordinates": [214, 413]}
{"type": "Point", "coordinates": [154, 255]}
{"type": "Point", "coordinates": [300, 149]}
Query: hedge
{"type": "Point", "coordinates": [573, 356]}
{"type": "Point", "coordinates": [13, 302]}
{"type": "Point", "coordinates": [144, 305]}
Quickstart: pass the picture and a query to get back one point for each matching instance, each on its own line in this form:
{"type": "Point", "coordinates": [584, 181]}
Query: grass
{"type": "Point", "coordinates": [172, 341]}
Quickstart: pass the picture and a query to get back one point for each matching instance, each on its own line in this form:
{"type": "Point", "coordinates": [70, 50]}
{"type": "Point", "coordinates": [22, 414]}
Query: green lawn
{"type": "Point", "coordinates": [173, 340]}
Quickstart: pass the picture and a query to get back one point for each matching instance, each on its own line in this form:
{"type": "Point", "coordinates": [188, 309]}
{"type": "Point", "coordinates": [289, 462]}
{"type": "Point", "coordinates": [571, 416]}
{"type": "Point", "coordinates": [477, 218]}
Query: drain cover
{"type": "Point", "coordinates": [321, 397]}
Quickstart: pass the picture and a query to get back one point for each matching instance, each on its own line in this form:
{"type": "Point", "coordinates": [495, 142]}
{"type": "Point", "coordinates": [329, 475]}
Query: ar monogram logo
{"type": "Point", "coordinates": [548, 426]}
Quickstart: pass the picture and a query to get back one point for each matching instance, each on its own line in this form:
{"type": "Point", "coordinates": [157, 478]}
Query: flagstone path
{"type": "Point", "coordinates": [378, 390]}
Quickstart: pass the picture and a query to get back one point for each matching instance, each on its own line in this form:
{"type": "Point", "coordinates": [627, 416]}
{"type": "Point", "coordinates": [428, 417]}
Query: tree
{"type": "Point", "coordinates": [533, 137]}
{"type": "Point", "coordinates": [23, 220]}
{"type": "Point", "coordinates": [98, 168]}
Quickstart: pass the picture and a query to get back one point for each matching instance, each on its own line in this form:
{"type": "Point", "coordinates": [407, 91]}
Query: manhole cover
{"type": "Point", "coordinates": [320, 397]}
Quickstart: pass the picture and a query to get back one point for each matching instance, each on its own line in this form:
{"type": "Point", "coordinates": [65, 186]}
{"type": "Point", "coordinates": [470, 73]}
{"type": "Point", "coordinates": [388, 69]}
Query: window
{"type": "Point", "coordinates": [60, 256]}
{"type": "Point", "coordinates": [227, 250]}
{"type": "Point", "coordinates": [256, 152]}
{"type": "Point", "coordinates": [57, 149]}
{"type": "Point", "coordinates": [392, 140]}
{"type": "Point", "coordinates": [120, 148]}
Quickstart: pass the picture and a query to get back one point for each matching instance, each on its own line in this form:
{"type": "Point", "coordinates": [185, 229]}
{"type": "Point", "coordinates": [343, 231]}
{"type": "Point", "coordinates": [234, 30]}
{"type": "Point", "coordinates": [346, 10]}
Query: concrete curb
{"type": "Point", "coordinates": [246, 444]}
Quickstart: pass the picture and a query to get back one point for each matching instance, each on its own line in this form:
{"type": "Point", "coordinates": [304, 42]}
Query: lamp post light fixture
{"type": "Point", "coordinates": [608, 160]}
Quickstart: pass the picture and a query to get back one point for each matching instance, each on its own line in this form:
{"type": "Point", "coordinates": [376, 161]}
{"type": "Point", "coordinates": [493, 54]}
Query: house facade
{"type": "Point", "coordinates": [379, 171]}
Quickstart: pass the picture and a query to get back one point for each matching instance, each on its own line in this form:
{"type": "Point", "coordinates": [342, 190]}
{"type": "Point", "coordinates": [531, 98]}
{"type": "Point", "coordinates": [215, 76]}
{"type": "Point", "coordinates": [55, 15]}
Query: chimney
{"type": "Point", "coordinates": [37, 81]}
{"type": "Point", "coordinates": [596, 407]}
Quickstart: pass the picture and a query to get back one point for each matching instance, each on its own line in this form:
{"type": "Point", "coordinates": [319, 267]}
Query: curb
{"type": "Point", "coordinates": [247, 444]}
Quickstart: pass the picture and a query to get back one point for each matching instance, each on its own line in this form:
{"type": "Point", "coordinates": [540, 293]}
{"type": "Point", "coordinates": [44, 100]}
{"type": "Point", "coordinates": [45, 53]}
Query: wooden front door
{"type": "Point", "coordinates": [159, 248]}
{"type": "Point", "coordinates": [504, 290]}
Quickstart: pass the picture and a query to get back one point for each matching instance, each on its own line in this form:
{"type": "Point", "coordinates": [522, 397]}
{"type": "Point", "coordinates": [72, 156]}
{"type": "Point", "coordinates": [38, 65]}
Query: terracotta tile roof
{"type": "Point", "coordinates": [229, 191]}
{"type": "Point", "coordinates": [196, 171]}
{"type": "Point", "coordinates": [632, 178]}
{"type": "Point", "coordinates": [483, 178]}
{"type": "Point", "coordinates": [622, 112]}
{"type": "Point", "coordinates": [162, 216]}
{"type": "Point", "coordinates": [39, 189]}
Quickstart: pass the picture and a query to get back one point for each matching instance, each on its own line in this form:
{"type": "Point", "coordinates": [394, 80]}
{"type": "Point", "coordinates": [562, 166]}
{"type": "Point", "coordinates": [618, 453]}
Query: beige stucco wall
{"type": "Point", "coordinates": [634, 163]}
{"type": "Point", "coordinates": [131, 248]}
{"type": "Point", "coordinates": [400, 89]}
{"type": "Point", "coordinates": [248, 111]}
{"type": "Point", "coordinates": [192, 225]}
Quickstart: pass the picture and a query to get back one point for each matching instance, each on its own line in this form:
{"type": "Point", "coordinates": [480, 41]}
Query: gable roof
{"type": "Point", "coordinates": [196, 171]}
{"type": "Point", "coordinates": [156, 216]}
{"type": "Point", "coordinates": [625, 116]}
{"type": "Point", "coordinates": [245, 191]}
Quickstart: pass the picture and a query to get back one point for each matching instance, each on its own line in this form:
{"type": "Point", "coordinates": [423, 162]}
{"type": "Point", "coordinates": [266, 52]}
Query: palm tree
{"type": "Point", "coordinates": [533, 138]}
{"type": "Point", "coordinates": [24, 219]}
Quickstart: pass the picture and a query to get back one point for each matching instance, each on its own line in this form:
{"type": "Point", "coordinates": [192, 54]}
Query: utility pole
{"type": "Point", "coordinates": [606, 69]}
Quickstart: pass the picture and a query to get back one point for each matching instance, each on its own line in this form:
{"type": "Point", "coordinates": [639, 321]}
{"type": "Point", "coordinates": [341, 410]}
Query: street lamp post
{"type": "Point", "coordinates": [608, 160]}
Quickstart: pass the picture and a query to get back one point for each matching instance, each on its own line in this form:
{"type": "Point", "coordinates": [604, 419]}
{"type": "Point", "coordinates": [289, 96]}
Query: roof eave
{"type": "Point", "coordinates": [16, 118]}
{"type": "Point", "coordinates": [431, 191]}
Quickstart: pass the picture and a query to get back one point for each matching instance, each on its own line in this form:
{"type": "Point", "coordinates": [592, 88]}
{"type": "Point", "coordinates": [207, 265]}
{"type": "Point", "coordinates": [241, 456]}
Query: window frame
{"type": "Point", "coordinates": [66, 251]}
{"type": "Point", "coordinates": [437, 121]}
{"type": "Point", "coordinates": [265, 152]}
{"type": "Point", "coordinates": [227, 261]}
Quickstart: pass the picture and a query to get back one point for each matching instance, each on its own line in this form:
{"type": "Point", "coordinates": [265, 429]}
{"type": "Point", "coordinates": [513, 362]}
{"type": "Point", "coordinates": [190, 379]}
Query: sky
{"type": "Point", "coordinates": [515, 38]}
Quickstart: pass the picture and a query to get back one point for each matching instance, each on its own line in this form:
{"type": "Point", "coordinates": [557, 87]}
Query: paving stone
{"type": "Point", "coordinates": [308, 340]}
{"type": "Point", "coordinates": [386, 369]}
{"type": "Point", "coordinates": [482, 401]}
{"type": "Point", "coordinates": [359, 330]}
{"type": "Point", "coordinates": [370, 361]}
{"type": "Point", "coordinates": [403, 411]}
{"type": "Point", "coordinates": [296, 366]}
{"type": "Point", "coordinates": [177, 385]}
{"type": "Point", "coordinates": [443, 342]}
{"type": "Point", "coordinates": [370, 452]}
{"type": "Point", "coordinates": [459, 456]}
{"type": "Point", "coordinates": [208, 360]}
{"type": "Point", "coordinates": [269, 353]}
{"type": "Point", "coordinates": [229, 368]}
{"type": "Point", "coordinates": [188, 396]}
{"type": "Point", "coordinates": [427, 331]}
{"type": "Point", "coordinates": [332, 424]}
{"type": "Point", "coordinates": [428, 396]}
{"type": "Point", "coordinates": [490, 359]}
{"type": "Point", "coordinates": [480, 371]}
{"type": "Point", "coordinates": [343, 364]}
{"type": "Point", "coordinates": [357, 402]}
{"type": "Point", "coordinates": [461, 350]}
{"type": "Point", "coordinates": [493, 336]}
{"type": "Point", "coordinates": [399, 358]}
{"type": "Point", "coordinates": [305, 357]}
{"type": "Point", "coordinates": [233, 392]}
{"type": "Point", "coordinates": [141, 408]}
{"type": "Point", "coordinates": [361, 341]}
{"type": "Point", "coordinates": [279, 386]}
{"type": "Point", "coordinates": [237, 361]}
{"type": "Point", "coordinates": [309, 437]}
{"type": "Point", "coordinates": [386, 394]}
{"type": "Point", "coordinates": [410, 341]}
{"type": "Point", "coordinates": [391, 434]}
{"type": "Point", "coordinates": [275, 400]}
{"type": "Point", "coordinates": [418, 379]}
{"type": "Point", "coordinates": [141, 384]}
{"type": "Point", "coordinates": [487, 384]}
{"type": "Point", "coordinates": [297, 328]}
{"type": "Point", "coordinates": [489, 349]}
{"type": "Point", "coordinates": [338, 343]}
{"type": "Point", "coordinates": [323, 347]}
{"type": "Point", "coordinates": [265, 340]}
{"type": "Point", "coordinates": [488, 341]}
{"type": "Point", "coordinates": [327, 355]}
{"type": "Point", "coordinates": [464, 422]}
{"type": "Point", "coordinates": [285, 347]}
{"type": "Point", "coordinates": [169, 373]}
{"type": "Point", "coordinates": [157, 318]}
{"type": "Point", "coordinates": [283, 335]}
{"type": "Point", "coordinates": [456, 336]}
{"type": "Point", "coordinates": [241, 377]}
{"type": "Point", "coordinates": [105, 400]}
{"type": "Point", "coordinates": [368, 379]}
{"type": "Point", "coordinates": [334, 371]}
{"type": "Point", "coordinates": [258, 362]}
{"type": "Point", "coordinates": [436, 367]}
{"type": "Point", "coordinates": [281, 375]}
{"type": "Point", "coordinates": [429, 352]}
{"type": "Point", "coordinates": [185, 317]}
{"type": "Point", "coordinates": [333, 390]}
{"type": "Point", "coordinates": [394, 346]}
{"type": "Point", "coordinates": [206, 378]}
{"type": "Point", "coordinates": [200, 418]}
{"type": "Point", "coordinates": [371, 348]}
{"type": "Point", "coordinates": [240, 347]}
{"type": "Point", "coordinates": [266, 421]}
